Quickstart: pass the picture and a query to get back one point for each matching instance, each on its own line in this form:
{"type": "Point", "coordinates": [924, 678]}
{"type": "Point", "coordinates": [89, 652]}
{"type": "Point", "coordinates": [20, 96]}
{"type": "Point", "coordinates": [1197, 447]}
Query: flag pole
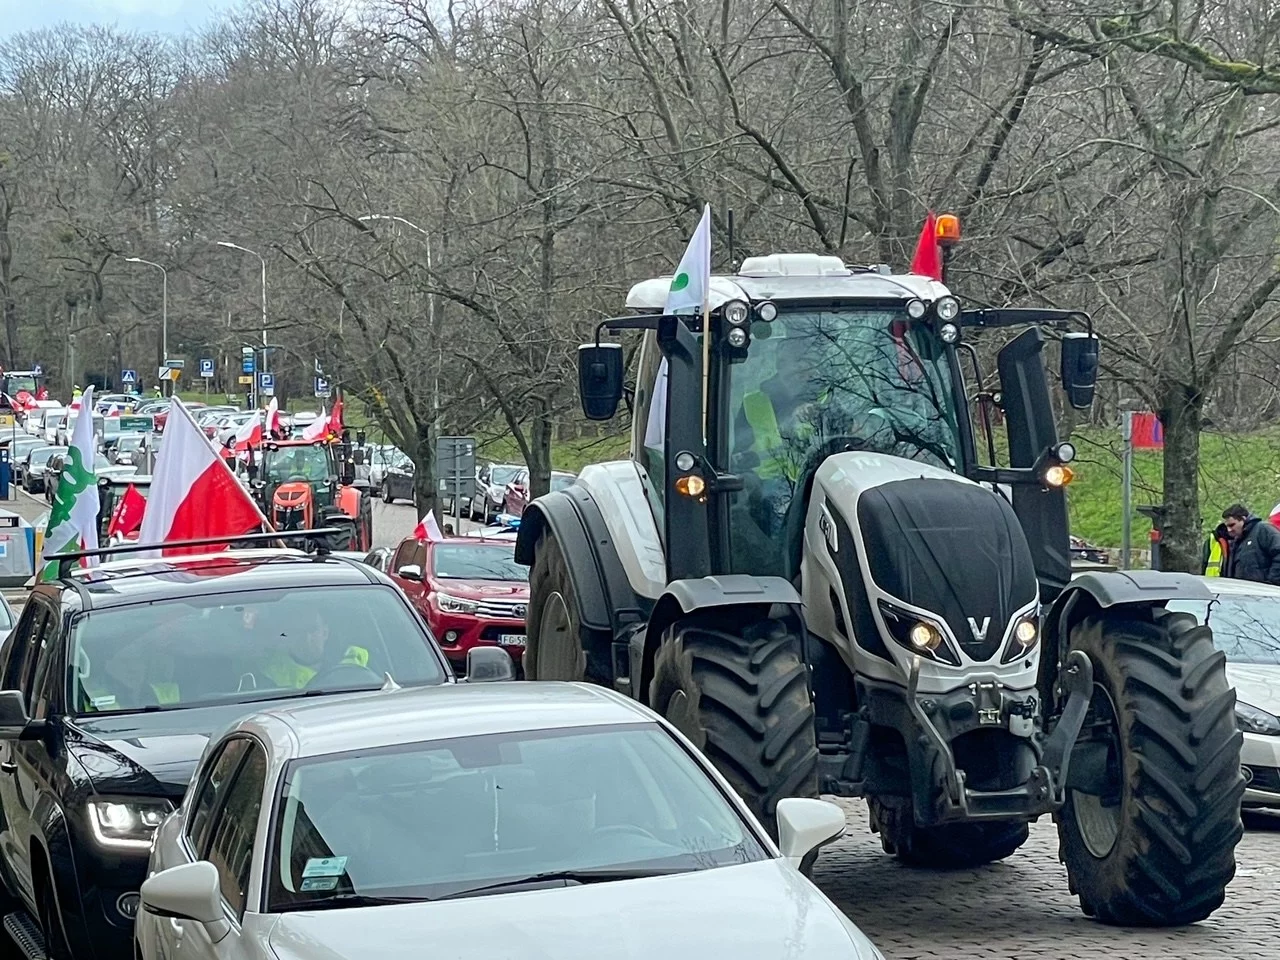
{"type": "Point", "coordinates": [706, 366]}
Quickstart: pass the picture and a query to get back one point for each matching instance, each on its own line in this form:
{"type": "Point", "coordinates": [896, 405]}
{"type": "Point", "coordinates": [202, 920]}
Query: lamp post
{"type": "Point", "coordinates": [262, 260]}
{"type": "Point", "coordinates": [164, 310]}
{"type": "Point", "coordinates": [431, 308]}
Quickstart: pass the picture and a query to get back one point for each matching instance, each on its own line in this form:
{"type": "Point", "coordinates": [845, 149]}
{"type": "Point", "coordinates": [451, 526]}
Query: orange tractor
{"type": "Point", "coordinates": [305, 484]}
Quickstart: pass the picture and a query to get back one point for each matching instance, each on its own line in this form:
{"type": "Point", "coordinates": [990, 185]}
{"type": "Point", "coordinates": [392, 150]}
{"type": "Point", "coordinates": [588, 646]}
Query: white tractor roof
{"type": "Point", "coordinates": [795, 276]}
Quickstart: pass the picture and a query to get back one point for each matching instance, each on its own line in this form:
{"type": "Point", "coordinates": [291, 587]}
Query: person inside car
{"type": "Point", "coordinates": [305, 654]}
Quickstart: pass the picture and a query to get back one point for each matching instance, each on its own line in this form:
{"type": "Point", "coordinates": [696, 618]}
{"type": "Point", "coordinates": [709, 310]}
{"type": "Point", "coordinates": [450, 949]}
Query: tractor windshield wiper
{"type": "Point", "coordinates": [589, 875]}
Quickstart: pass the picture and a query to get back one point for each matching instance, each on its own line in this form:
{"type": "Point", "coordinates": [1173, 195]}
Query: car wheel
{"type": "Point", "coordinates": [386, 492]}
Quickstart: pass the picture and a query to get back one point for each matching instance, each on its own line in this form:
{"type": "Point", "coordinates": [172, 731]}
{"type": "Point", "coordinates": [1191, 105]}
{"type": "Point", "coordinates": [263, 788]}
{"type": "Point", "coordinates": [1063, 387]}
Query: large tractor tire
{"type": "Point", "coordinates": [558, 645]}
{"type": "Point", "coordinates": [949, 846]}
{"type": "Point", "coordinates": [1159, 848]}
{"type": "Point", "coordinates": [743, 699]}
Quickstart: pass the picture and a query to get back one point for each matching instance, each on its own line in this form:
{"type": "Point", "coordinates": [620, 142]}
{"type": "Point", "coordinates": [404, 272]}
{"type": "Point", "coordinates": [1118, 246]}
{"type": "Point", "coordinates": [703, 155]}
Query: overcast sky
{"type": "Point", "coordinates": [168, 16]}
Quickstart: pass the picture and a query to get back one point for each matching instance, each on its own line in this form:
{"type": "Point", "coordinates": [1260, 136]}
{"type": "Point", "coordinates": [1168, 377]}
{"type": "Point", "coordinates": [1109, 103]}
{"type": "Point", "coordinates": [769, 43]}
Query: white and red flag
{"type": "Point", "coordinates": [250, 433]}
{"type": "Point", "coordinates": [194, 495]}
{"type": "Point", "coordinates": [273, 417]}
{"type": "Point", "coordinates": [318, 428]}
{"type": "Point", "coordinates": [428, 529]}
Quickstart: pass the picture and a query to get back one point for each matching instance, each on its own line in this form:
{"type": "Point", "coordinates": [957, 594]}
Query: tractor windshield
{"type": "Point", "coordinates": [819, 382]}
{"type": "Point", "coordinates": [16, 383]}
{"type": "Point", "coordinates": [308, 462]}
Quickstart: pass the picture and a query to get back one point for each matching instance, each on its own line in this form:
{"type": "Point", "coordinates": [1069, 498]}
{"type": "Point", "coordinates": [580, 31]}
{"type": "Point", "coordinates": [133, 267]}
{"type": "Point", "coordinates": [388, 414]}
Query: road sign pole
{"type": "Point", "coordinates": [1126, 492]}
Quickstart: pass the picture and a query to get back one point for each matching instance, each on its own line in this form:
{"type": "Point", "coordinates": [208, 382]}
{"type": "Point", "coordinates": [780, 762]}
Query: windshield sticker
{"type": "Point", "coordinates": [104, 703]}
{"type": "Point", "coordinates": [324, 867]}
{"type": "Point", "coordinates": [319, 883]}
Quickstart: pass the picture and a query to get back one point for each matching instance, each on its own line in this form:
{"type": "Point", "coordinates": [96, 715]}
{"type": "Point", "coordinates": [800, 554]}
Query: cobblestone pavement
{"type": "Point", "coordinates": [1020, 908]}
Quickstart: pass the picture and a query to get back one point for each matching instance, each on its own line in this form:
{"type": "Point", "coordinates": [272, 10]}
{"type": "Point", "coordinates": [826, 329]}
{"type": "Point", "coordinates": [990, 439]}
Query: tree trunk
{"type": "Point", "coordinates": [1182, 542]}
{"type": "Point", "coordinates": [540, 432]}
{"type": "Point", "coordinates": [424, 471]}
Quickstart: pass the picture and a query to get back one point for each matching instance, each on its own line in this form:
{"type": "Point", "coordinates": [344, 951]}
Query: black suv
{"type": "Point", "coordinates": [113, 681]}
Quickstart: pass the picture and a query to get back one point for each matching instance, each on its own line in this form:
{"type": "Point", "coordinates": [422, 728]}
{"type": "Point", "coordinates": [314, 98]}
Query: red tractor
{"type": "Point", "coordinates": [305, 484]}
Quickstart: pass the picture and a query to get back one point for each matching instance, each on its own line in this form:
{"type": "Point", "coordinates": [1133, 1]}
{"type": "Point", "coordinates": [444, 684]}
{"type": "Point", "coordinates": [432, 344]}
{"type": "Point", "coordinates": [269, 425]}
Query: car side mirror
{"type": "Point", "coordinates": [489, 664]}
{"type": "Point", "coordinates": [1079, 368]}
{"type": "Point", "coordinates": [805, 824]}
{"type": "Point", "coordinates": [14, 722]}
{"type": "Point", "coordinates": [185, 892]}
{"type": "Point", "coordinates": [600, 379]}
{"type": "Point", "coordinates": [410, 571]}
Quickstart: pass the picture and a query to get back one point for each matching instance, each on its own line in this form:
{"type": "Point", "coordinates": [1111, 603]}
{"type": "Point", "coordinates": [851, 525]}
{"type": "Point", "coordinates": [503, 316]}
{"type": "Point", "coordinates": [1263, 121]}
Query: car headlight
{"type": "Point", "coordinates": [128, 824]}
{"type": "Point", "coordinates": [448, 604]}
{"type": "Point", "coordinates": [1251, 719]}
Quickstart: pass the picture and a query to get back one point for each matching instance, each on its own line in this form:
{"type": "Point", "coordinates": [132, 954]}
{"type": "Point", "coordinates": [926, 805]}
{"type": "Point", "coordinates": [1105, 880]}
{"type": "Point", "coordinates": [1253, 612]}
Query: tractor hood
{"type": "Point", "coordinates": [931, 540]}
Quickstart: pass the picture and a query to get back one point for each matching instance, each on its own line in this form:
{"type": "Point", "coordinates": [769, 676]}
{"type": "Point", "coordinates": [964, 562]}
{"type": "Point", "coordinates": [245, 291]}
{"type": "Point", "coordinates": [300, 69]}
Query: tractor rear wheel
{"type": "Point", "coordinates": [1158, 848]}
{"type": "Point", "coordinates": [558, 644]}
{"type": "Point", "coordinates": [743, 698]}
{"type": "Point", "coordinates": [949, 846]}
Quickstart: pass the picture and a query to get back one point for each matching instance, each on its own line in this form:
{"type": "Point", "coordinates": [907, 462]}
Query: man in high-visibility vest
{"type": "Point", "coordinates": [305, 657]}
{"type": "Point", "coordinates": [1213, 561]}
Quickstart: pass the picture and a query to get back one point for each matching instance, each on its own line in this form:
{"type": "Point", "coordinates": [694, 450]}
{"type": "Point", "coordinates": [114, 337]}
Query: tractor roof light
{"type": "Point", "coordinates": [947, 230]}
{"type": "Point", "coordinates": [947, 308]}
{"type": "Point", "coordinates": [767, 311]}
{"type": "Point", "coordinates": [737, 337]}
{"type": "Point", "coordinates": [737, 312]}
{"type": "Point", "coordinates": [915, 309]}
{"type": "Point", "coordinates": [949, 333]}
{"type": "Point", "coordinates": [1064, 452]}
{"type": "Point", "coordinates": [1058, 475]}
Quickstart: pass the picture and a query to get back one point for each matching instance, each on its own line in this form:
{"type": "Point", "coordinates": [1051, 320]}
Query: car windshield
{"type": "Point", "coordinates": [309, 461]}
{"type": "Point", "coordinates": [127, 443]}
{"type": "Point", "coordinates": [1246, 629]}
{"type": "Point", "coordinates": [502, 475]}
{"type": "Point", "coordinates": [496, 814]}
{"type": "Point", "coordinates": [55, 419]}
{"type": "Point", "coordinates": [818, 382]}
{"type": "Point", "coordinates": [45, 454]}
{"type": "Point", "coordinates": [559, 482]}
{"type": "Point", "coordinates": [479, 561]}
{"type": "Point", "coordinates": [246, 647]}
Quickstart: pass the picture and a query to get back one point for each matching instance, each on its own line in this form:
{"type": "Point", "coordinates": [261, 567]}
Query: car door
{"type": "Point", "coordinates": [230, 848]}
{"type": "Point", "coordinates": [411, 553]}
{"type": "Point", "coordinates": [478, 502]}
{"type": "Point", "coordinates": [20, 777]}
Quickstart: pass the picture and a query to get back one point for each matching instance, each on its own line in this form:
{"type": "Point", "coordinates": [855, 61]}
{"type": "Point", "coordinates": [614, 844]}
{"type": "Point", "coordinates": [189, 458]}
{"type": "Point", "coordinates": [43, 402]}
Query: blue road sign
{"type": "Point", "coordinates": [206, 367]}
{"type": "Point", "coordinates": [128, 376]}
{"type": "Point", "coordinates": [267, 383]}
{"type": "Point", "coordinates": [37, 369]}
{"type": "Point", "coordinates": [247, 358]}
{"type": "Point", "coordinates": [322, 387]}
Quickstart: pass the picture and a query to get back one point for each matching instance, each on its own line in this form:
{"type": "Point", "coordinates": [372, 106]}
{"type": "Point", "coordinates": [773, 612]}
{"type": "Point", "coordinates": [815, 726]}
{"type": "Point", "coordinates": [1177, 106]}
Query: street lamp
{"type": "Point", "coordinates": [236, 246]}
{"type": "Point", "coordinates": [431, 304]}
{"type": "Point", "coordinates": [164, 309]}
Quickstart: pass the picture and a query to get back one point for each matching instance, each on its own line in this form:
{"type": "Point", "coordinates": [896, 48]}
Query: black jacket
{"type": "Point", "coordinates": [1256, 555]}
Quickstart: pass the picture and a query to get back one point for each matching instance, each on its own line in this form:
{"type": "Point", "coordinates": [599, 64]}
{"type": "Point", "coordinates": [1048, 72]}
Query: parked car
{"type": "Point", "coordinates": [1245, 617]}
{"type": "Point", "coordinates": [505, 820]}
{"type": "Point", "coordinates": [33, 474]}
{"type": "Point", "coordinates": [517, 493]}
{"type": "Point", "coordinates": [127, 449]}
{"type": "Point", "coordinates": [50, 420]}
{"type": "Point", "coordinates": [21, 445]}
{"type": "Point", "coordinates": [379, 558]}
{"type": "Point", "coordinates": [68, 426]}
{"type": "Point", "coordinates": [116, 678]}
{"type": "Point", "coordinates": [102, 468]}
{"type": "Point", "coordinates": [397, 480]}
{"type": "Point", "coordinates": [471, 592]}
{"type": "Point", "coordinates": [491, 488]}
{"type": "Point", "coordinates": [7, 617]}
{"type": "Point", "coordinates": [1082, 550]}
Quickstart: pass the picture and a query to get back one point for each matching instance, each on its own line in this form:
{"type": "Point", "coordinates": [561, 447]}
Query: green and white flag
{"type": "Point", "coordinates": [688, 294]}
{"type": "Point", "coordinates": [73, 521]}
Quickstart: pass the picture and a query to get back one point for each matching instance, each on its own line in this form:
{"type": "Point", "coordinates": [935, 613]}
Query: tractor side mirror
{"type": "Point", "coordinates": [600, 379]}
{"type": "Point", "coordinates": [1079, 368]}
{"type": "Point", "coordinates": [361, 436]}
{"type": "Point", "coordinates": [357, 457]}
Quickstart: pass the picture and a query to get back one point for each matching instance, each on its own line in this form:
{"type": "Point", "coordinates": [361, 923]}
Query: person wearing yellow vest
{"type": "Point", "coordinates": [295, 667]}
{"type": "Point", "coordinates": [1217, 548]}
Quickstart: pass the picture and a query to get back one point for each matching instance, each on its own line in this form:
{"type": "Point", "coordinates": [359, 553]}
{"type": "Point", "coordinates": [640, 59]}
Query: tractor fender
{"type": "Point", "coordinates": [348, 501]}
{"type": "Point", "coordinates": [728, 594]}
{"type": "Point", "coordinates": [1091, 592]}
{"type": "Point", "coordinates": [605, 597]}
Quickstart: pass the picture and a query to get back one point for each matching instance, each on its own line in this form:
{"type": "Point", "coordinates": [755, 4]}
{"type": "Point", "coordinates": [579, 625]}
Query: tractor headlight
{"type": "Point", "coordinates": [737, 337]}
{"type": "Point", "coordinates": [915, 309]}
{"type": "Point", "coordinates": [917, 633]}
{"type": "Point", "coordinates": [1065, 452]}
{"type": "Point", "coordinates": [947, 308]}
{"type": "Point", "coordinates": [1024, 637]}
{"type": "Point", "coordinates": [1026, 632]}
{"type": "Point", "coordinates": [1251, 719]}
{"type": "Point", "coordinates": [127, 824]}
{"type": "Point", "coordinates": [736, 312]}
{"type": "Point", "coordinates": [949, 333]}
{"type": "Point", "coordinates": [767, 311]}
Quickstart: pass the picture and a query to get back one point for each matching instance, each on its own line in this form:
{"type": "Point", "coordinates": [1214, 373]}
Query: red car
{"type": "Point", "coordinates": [517, 496]}
{"type": "Point", "coordinates": [470, 590]}
{"type": "Point", "coordinates": [162, 415]}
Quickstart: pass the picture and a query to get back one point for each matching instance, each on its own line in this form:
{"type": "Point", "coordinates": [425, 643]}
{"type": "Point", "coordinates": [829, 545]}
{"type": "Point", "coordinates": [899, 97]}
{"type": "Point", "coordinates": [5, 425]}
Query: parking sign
{"type": "Point", "coordinates": [267, 384]}
{"type": "Point", "coordinates": [322, 387]}
{"type": "Point", "coordinates": [206, 367]}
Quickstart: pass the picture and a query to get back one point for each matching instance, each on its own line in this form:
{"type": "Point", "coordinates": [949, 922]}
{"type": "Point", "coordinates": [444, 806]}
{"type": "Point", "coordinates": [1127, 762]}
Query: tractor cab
{"type": "Point", "coordinates": [305, 484]}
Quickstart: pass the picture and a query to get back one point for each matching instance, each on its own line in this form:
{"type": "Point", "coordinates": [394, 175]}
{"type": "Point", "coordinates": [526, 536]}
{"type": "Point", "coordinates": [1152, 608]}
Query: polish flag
{"type": "Point", "coordinates": [194, 494]}
{"type": "Point", "coordinates": [250, 433]}
{"type": "Point", "coordinates": [113, 410]}
{"type": "Point", "coordinates": [317, 428]}
{"type": "Point", "coordinates": [428, 529]}
{"type": "Point", "coordinates": [273, 417]}
{"type": "Point", "coordinates": [1275, 516]}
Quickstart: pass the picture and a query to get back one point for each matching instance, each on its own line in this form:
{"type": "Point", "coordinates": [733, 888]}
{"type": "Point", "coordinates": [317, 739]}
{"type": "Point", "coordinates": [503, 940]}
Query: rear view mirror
{"type": "Point", "coordinates": [189, 891]}
{"type": "Point", "coordinates": [410, 571]}
{"type": "Point", "coordinates": [13, 715]}
{"type": "Point", "coordinates": [489, 664]}
{"type": "Point", "coordinates": [600, 379]}
{"type": "Point", "coordinates": [1079, 368]}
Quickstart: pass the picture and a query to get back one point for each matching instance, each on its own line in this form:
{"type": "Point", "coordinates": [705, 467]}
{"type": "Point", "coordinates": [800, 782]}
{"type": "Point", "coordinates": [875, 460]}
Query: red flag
{"type": "Point", "coordinates": [928, 259]}
{"type": "Point", "coordinates": [335, 418]}
{"type": "Point", "coordinates": [127, 516]}
{"type": "Point", "coordinates": [1148, 432]}
{"type": "Point", "coordinates": [428, 529]}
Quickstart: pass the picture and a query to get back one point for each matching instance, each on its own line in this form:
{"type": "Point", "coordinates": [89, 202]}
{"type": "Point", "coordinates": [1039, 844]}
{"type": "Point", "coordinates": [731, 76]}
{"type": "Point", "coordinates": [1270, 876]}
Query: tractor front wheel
{"type": "Point", "coordinates": [558, 645]}
{"type": "Point", "coordinates": [1156, 847]}
{"type": "Point", "coordinates": [742, 697]}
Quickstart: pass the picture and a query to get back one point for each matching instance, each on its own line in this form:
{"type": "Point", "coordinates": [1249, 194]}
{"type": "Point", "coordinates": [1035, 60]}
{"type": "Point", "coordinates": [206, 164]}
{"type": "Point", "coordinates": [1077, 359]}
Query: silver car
{"type": "Point", "coordinates": [510, 820]}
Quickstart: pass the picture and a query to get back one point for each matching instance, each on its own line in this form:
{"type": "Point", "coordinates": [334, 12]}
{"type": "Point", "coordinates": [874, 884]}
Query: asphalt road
{"type": "Point", "coordinates": [1019, 909]}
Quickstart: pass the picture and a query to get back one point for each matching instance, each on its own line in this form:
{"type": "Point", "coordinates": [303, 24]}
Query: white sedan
{"type": "Point", "coordinates": [518, 821]}
{"type": "Point", "coordinates": [1246, 627]}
